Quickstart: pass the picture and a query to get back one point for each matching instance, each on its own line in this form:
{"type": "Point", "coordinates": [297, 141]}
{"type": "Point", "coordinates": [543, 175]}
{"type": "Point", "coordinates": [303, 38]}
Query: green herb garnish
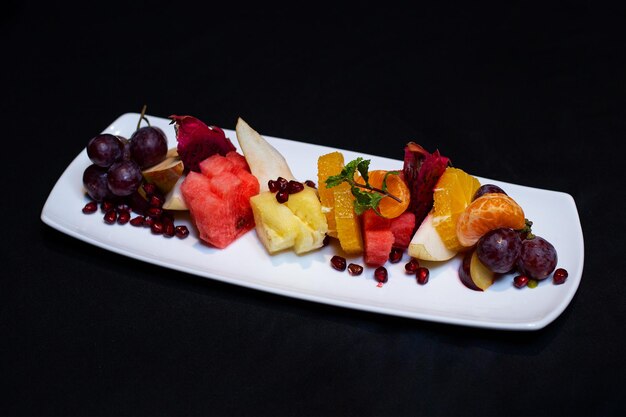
{"type": "Point", "coordinates": [363, 200]}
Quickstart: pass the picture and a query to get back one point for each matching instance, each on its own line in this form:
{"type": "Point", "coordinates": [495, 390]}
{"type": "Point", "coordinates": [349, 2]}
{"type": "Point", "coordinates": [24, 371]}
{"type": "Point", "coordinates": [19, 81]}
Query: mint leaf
{"type": "Point", "coordinates": [363, 200]}
{"type": "Point", "coordinates": [363, 167]}
{"type": "Point", "coordinates": [334, 180]}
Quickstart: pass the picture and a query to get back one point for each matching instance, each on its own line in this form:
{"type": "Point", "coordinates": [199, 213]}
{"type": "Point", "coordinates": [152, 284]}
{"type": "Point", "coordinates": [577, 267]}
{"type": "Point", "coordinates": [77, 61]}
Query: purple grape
{"type": "Point", "coordinates": [499, 249]}
{"type": "Point", "coordinates": [538, 258]}
{"type": "Point", "coordinates": [105, 149]}
{"type": "Point", "coordinates": [95, 182]}
{"type": "Point", "coordinates": [487, 188]}
{"type": "Point", "coordinates": [148, 146]}
{"type": "Point", "coordinates": [125, 148]}
{"type": "Point", "coordinates": [124, 178]}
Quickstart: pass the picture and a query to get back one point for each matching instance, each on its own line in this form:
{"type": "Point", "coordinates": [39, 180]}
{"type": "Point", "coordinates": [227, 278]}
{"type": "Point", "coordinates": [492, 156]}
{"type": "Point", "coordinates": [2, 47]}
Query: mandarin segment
{"type": "Point", "coordinates": [453, 193]}
{"type": "Point", "coordinates": [388, 207]}
{"type": "Point", "coordinates": [488, 212]}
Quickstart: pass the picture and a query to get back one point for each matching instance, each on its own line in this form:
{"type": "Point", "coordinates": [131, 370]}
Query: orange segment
{"type": "Point", "coordinates": [327, 165]}
{"type": "Point", "coordinates": [338, 205]}
{"type": "Point", "coordinates": [489, 211]}
{"type": "Point", "coordinates": [347, 221]}
{"type": "Point", "coordinates": [388, 207]}
{"type": "Point", "coordinates": [452, 194]}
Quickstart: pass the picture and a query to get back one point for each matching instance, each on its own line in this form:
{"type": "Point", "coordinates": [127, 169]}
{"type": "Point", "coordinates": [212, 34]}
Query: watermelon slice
{"type": "Point", "coordinates": [402, 228]}
{"type": "Point", "coordinates": [377, 238]}
{"type": "Point", "coordinates": [380, 235]}
{"type": "Point", "coordinates": [218, 198]}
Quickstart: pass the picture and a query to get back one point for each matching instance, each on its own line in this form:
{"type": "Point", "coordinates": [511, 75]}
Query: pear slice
{"type": "Point", "coordinates": [265, 162]}
{"type": "Point", "coordinates": [427, 245]}
{"type": "Point", "coordinates": [174, 198]}
{"type": "Point", "coordinates": [166, 173]}
{"type": "Point", "coordinates": [474, 274]}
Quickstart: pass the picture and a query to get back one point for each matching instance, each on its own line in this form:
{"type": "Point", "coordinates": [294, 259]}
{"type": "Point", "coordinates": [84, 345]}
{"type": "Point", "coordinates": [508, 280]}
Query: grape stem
{"type": "Point", "coordinates": [142, 116]}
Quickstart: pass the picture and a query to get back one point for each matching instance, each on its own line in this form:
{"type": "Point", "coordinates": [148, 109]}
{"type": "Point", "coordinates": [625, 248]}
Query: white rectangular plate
{"type": "Point", "coordinates": [310, 277]}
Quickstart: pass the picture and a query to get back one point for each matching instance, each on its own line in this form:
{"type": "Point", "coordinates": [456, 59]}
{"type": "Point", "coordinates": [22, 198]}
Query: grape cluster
{"type": "Point", "coordinates": [114, 180]}
{"type": "Point", "coordinates": [505, 250]}
{"type": "Point", "coordinates": [117, 162]}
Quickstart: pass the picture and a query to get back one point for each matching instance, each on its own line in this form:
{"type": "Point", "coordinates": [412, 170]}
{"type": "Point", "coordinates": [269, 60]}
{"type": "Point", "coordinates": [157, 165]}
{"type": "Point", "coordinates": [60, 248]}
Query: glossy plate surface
{"type": "Point", "coordinates": [310, 277]}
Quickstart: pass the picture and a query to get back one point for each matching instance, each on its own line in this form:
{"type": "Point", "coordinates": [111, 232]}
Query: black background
{"type": "Point", "coordinates": [528, 94]}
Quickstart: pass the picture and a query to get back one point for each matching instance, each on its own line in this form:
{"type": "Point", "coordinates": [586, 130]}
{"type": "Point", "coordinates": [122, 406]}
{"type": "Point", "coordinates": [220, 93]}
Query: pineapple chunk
{"type": "Point", "coordinates": [299, 223]}
{"type": "Point", "coordinates": [306, 206]}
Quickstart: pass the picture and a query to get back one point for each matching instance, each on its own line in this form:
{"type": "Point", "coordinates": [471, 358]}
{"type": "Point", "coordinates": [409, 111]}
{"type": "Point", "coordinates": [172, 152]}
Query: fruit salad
{"type": "Point", "coordinates": [430, 209]}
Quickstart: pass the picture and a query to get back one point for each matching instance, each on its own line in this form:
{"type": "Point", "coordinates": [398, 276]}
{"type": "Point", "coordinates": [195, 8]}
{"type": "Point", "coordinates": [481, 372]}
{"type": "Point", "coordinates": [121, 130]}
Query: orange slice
{"type": "Point", "coordinates": [347, 222]}
{"type": "Point", "coordinates": [327, 165]}
{"type": "Point", "coordinates": [388, 207]}
{"type": "Point", "coordinates": [453, 193]}
{"type": "Point", "coordinates": [489, 211]}
{"type": "Point", "coordinates": [338, 205]}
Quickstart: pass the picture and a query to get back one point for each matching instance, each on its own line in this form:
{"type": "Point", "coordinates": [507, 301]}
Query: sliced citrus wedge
{"type": "Point", "coordinates": [452, 194]}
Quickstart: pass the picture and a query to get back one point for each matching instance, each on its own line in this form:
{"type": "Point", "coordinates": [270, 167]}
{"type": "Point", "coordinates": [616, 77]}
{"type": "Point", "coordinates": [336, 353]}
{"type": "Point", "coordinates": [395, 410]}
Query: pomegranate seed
{"type": "Point", "coordinates": [310, 183]}
{"type": "Point", "coordinates": [156, 201]}
{"type": "Point", "coordinates": [149, 188]}
{"type": "Point", "coordinates": [338, 262]}
{"type": "Point", "coordinates": [355, 269]}
{"type": "Point", "coordinates": [380, 274]}
{"type": "Point", "coordinates": [123, 217]}
{"type": "Point", "coordinates": [157, 227]}
{"type": "Point", "coordinates": [411, 266]}
{"type": "Point", "coordinates": [137, 221]}
{"type": "Point", "coordinates": [282, 183]}
{"type": "Point", "coordinates": [169, 230]}
{"type": "Point", "coordinates": [560, 275]}
{"type": "Point", "coordinates": [90, 207]}
{"type": "Point", "coordinates": [106, 206]}
{"type": "Point", "coordinates": [395, 255]}
{"type": "Point", "coordinates": [110, 217]}
{"type": "Point", "coordinates": [520, 281]}
{"type": "Point", "coordinates": [181, 231]}
{"type": "Point", "coordinates": [148, 221]}
{"type": "Point", "coordinates": [294, 187]}
{"type": "Point", "coordinates": [154, 212]}
{"type": "Point", "coordinates": [122, 207]}
{"type": "Point", "coordinates": [273, 186]}
{"type": "Point", "coordinates": [282, 196]}
{"type": "Point", "coordinates": [422, 275]}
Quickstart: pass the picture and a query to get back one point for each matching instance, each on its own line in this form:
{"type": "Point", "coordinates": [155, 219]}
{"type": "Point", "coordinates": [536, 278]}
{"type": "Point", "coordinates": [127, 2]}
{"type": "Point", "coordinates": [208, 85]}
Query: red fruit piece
{"type": "Point", "coordinates": [377, 238]}
{"type": "Point", "coordinates": [559, 276]}
{"type": "Point", "coordinates": [380, 235]}
{"type": "Point", "coordinates": [381, 275]}
{"type": "Point", "coordinates": [421, 171]}
{"type": "Point", "coordinates": [218, 199]}
{"type": "Point", "coordinates": [197, 141]}
{"type": "Point", "coordinates": [338, 262]}
{"type": "Point", "coordinates": [421, 275]}
{"type": "Point", "coordinates": [355, 269]}
{"type": "Point", "coordinates": [402, 228]}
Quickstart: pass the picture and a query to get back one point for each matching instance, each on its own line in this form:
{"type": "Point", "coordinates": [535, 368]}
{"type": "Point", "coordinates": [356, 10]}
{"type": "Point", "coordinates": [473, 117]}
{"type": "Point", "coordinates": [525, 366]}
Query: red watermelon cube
{"type": "Point", "coordinates": [380, 235]}
{"type": "Point", "coordinates": [218, 198]}
{"type": "Point", "coordinates": [402, 228]}
{"type": "Point", "coordinates": [377, 238]}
